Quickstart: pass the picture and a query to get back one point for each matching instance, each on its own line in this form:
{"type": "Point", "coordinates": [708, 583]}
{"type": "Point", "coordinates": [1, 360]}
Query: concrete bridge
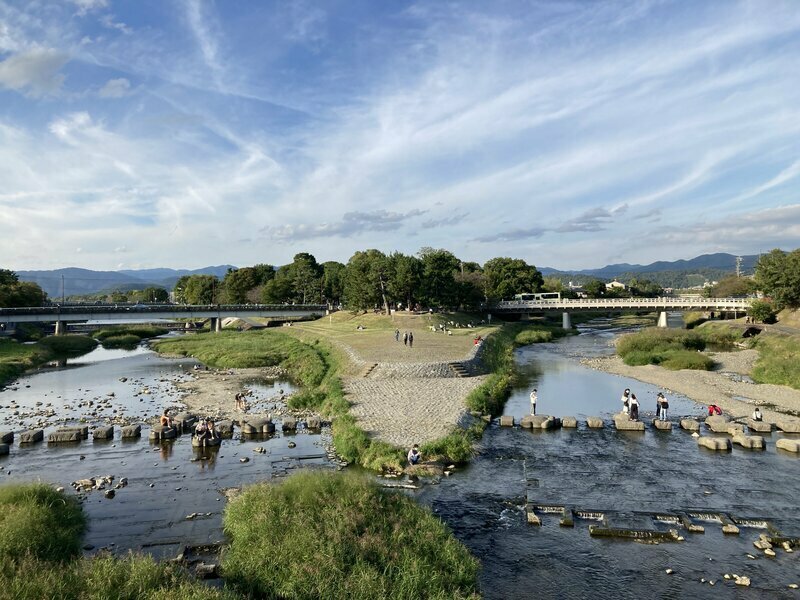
{"type": "Point", "coordinates": [605, 305]}
{"type": "Point", "coordinates": [61, 315]}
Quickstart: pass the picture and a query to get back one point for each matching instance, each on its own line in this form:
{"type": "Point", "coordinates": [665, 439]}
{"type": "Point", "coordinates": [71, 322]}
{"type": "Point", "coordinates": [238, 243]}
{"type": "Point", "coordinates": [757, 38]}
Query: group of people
{"type": "Point", "coordinates": [408, 338]}
{"type": "Point", "coordinates": [205, 431]}
{"type": "Point", "coordinates": [630, 406]}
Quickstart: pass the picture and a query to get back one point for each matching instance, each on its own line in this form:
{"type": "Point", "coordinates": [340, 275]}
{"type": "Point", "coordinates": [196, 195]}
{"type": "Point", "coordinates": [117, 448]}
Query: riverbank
{"type": "Point", "coordinates": [723, 386]}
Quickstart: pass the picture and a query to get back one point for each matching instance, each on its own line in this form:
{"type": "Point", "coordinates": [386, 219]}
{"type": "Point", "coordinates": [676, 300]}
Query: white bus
{"type": "Point", "coordinates": [539, 297]}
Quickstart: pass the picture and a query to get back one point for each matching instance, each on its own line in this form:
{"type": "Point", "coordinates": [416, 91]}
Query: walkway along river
{"type": "Point", "coordinates": [625, 476]}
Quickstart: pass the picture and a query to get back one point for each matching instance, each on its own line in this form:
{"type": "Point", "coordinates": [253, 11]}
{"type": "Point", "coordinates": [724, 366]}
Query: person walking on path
{"type": "Point", "coordinates": [634, 408]}
{"type": "Point", "coordinates": [663, 407]}
{"type": "Point", "coordinates": [405, 339]}
{"type": "Point", "coordinates": [410, 339]}
{"type": "Point", "coordinates": [626, 397]}
{"type": "Point", "coordinates": [413, 455]}
{"type": "Point", "coordinates": [533, 402]}
{"type": "Point", "coordinates": [396, 335]}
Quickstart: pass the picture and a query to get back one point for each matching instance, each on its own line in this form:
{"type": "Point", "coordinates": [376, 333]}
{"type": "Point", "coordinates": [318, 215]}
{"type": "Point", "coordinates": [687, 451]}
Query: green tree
{"type": "Point", "coordinates": [333, 275]}
{"type": "Point", "coordinates": [778, 276]}
{"type": "Point", "coordinates": [594, 288]}
{"type": "Point", "coordinates": [552, 284]}
{"type": "Point", "coordinates": [16, 293]}
{"type": "Point", "coordinates": [118, 296]}
{"type": "Point", "coordinates": [644, 288]}
{"type": "Point", "coordinates": [762, 310]}
{"type": "Point", "coordinates": [278, 290]}
{"type": "Point", "coordinates": [731, 287]}
{"type": "Point", "coordinates": [306, 278]}
{"type": "Point", "coordinates": [239, 283]}
{"type": "Point", "coordinates": [366, 280]}
{"type": "Point", "coordinates": [201, 289]}
{"type": "Point", "coordinates": [405, 277]}
{"type": "Point", "coordinates": [438, 283]}
{"type": "Point", "coordinates": [506, 277]}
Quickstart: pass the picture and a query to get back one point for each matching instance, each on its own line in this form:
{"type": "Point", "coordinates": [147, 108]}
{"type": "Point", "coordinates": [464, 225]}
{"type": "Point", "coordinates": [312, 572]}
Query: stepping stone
{"type": "Point", "coordinates": [82, 429]}
{"type": "Point", "coordinates": [314, 423]}
{"type": "Point", "coordinates": [4, 449]}
{"type": "Point", "coordinates": [258, 425]}
{"type": "Point", "coordinates": [64, 435]}
{"type": "Point", "coordinates": [507, 421]}
{"type": "Point", "coordinates": [594, 422]}
{"type": "Point", "coordinates": [788, 445]}
{"type": "Point", "coordinates": [624, 423]}
{"type": "Point", "coordinates": [690, 424]}
{"type": "Point", "coordinates": [735, 429]}
{"type": "Point", "coordinates": [31, 437]}
{"type": "Point", "coordinates": [759, 426]}
{"type": "Point", "coordinates": [754, 442]}
{"type": "Point", "coordinates": [103, 432]}
{"type": "Point", "coordinates": [788, 426]}
{"type": "Point", "coordinates": [162, 432]}
{"type": "Point", "coordinates": [131, 431]}
{"type": "Point", "coordinates": [289, 424]}
{"type": "Point", "coordinates": [662, 425]}
{"type": "Point", "coordinates": [569, 422]}
{"type": "Point", "coordinates": [224, 428]}
{"type": "Point", "coordinates": [718, 423]}
{"type": "Point", "coordinates": [525, 422]}
{"type": "Point", "coordinates": [184, 422]}
{"type": "Point", "coordinates": [715, 443]}
{"type": "Point", "coordinates": [7, 437]}
{"type": "Point", "coordinates": [543, 422]}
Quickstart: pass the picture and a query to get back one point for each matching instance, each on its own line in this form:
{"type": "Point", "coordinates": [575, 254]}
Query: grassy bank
{"type": "Point", "coordinates": [333, 535]}
{"type": "Point", "coordinates": [16, 358]}
{"type": "Point", "coordinates": [778, 360]}
{"type": "Point", "coordinates": [127, 337]}
{"type": "Point", "coordinates": [675, 349]}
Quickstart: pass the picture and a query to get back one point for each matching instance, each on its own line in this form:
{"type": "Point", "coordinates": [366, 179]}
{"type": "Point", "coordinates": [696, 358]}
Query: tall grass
{"type": "Point", "coordinates": [675, 348]}
{"type": "Point", "coordinates": [778, 360]}
{"type": "Point", "coordinates": [16, 358]}
{"type": "Point", "coordinates": [67, 346]}
{"type": "Point", "coordinates": [38, 522]}
{"type": "Point", "coordinates": [336, 535]}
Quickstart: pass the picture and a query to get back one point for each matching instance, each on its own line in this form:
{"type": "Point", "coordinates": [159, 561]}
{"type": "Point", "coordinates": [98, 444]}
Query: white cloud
{"type": "Point", "coordinates": [86, 6]}
{"type": "Point", "coordinates": [35, 72]}
{"type": "Point", "coordinates": [115, 88]}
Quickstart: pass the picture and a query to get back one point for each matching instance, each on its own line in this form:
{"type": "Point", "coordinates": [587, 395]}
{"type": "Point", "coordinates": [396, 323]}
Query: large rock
{"type": "Point", "coordinates": [569, 422]}
{"type": "Point", "coordinates": [224, 428]}
{"type": "Point", "coordinates": [289, 424]}
{"type": "Point", "coordinates": [7, 437]}
{"type": "Point", "coordinates": [663, 425]}
{"type": "Point", "coordinates": [594, 422]}
{"type": "Point", "coordinates": [313, 423]}
{"type": "Point", "coordinates": [526, 422]}
{"type": "Point", "coordinates": [4, 449]}
{"type": "Point", "coordinates": [82, 429]}
{"type": "Point", "coordinates": [543, 422]}
{"type": "Point", "coordinates": [30, 437]}
{"type": "Point", "coordinates": [131, 431]}
{"type": "Point", "coordinates": [714, 443]}
{"type": "Point", "coordinates": [735, 429]}
{"type": "Point", "coordinates": [754, 442]}
{"type": "Point", "coordinates": [162, 432]}
{"type": "Point", "coordinates": [103, 432]}
{"type": "Point", "coordinates": [690, 424]}
{"type": "Point", "coordinates": [64, 435]}
{"type": "Point", "coordinates": [788, 445]}
{"type": "Point", "coordinates": [788, 426]}
{"type": "Point", "coordinates": [257, 426]}
{"type": "Point", "coordinates": [624, 423]}
{"type": "Point", "coordinates": [184, 422]}
{"type": "Point", "coordinates": [759, 426]}
{"type": "Point", "coordinates": [507, 421]}
{"type": "Point", "coordinates": [718, 423]}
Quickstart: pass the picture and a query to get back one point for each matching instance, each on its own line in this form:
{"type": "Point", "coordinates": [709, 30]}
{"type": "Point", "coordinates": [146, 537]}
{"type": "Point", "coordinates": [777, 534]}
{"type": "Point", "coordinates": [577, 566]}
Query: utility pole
{"type": "Point", "coordinates": [738, 266]}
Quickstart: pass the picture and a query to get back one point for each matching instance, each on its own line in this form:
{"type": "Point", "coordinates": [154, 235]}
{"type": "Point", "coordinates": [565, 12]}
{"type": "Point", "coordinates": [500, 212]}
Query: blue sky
{"type": "Point", "coordinates": [184, 133]}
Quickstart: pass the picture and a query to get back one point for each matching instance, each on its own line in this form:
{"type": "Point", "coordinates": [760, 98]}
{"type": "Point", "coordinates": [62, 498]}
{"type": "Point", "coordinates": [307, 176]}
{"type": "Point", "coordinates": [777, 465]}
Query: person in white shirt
{"type": "Point", "coordinates": [757, 416]}
{"type": "Point", "coordinates": [533, 402]}
{"type": "Point", "coordinates": [626, 396]}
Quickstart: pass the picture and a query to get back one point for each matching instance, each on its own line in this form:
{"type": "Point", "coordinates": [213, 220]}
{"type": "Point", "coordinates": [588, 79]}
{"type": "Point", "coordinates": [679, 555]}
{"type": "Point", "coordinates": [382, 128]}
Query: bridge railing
{"type": "Point", "coordinates": [666, 302]}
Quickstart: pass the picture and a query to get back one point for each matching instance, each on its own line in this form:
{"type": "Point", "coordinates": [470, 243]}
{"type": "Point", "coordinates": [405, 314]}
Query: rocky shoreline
{"type": "Point", "coordinates": [728, 385]}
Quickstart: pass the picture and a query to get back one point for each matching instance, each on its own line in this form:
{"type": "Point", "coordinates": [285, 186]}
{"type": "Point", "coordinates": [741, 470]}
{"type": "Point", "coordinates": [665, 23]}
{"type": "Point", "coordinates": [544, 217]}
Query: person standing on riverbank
{"type": "Point", "coordinates": [396, 335]}
{"type": "Point", "coordinates": [626, 397]}
{"type": "Point", "coordinates": [405, 339]}
{"type": "Point", "coordinates": [410, 339]}
{"type": "Point", "coordinates": [533, 401]}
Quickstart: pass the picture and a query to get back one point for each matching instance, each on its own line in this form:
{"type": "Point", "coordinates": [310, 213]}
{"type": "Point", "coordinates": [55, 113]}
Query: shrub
{"type": "Point", "coordinates": [37, 521]}
{"type": "Point", "coordinates": [532, 336]}
{"type": "Point", "coordinates": [686, 359]}
{"type": "Point", "coordinates": [778, 361]}
{"type": "Point", "coordinates": [126, 341]}
{"type": "Point", "coordinates": [68, 346]}
{"type": "Point", "coordinates": [762, 310]}
{"type": "Point", "coordinates": [337, 535]}
{"type": "Point", "coordinates": [140, 331]}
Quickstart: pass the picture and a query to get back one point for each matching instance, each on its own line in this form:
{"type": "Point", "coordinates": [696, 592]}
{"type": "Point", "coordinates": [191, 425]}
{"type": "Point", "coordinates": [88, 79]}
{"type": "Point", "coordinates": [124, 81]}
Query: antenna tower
{"type": "Point", "coordinates": [738, 266]}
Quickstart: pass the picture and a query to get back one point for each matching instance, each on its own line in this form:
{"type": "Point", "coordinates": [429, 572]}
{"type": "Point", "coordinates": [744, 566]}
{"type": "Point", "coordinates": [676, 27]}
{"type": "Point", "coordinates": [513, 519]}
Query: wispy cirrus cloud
{"type": "Point", "coordinates": [352, 224]}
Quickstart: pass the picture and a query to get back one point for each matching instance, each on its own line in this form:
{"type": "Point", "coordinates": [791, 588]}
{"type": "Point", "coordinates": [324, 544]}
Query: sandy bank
{"type": "Point", "coordinates": [723, 386]}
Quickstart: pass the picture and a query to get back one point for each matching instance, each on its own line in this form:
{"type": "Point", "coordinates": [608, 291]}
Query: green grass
{"type": "Point", "coordinates": [16, 358]}
{"type": "Point", "coordinates": [38, 522]}
{"type": "Point", "coordinates": [101, 578]}
{"type": "Point", "coordinates": [675, 348]}
{"type": "Point", "coordinates": [127, 342]}
{"type": "Point", "coordinates": [67, 346]}
{"type": "Point", "coordinates": [457, 447]}
{"type": "Point", "coordinates": [778, 360]}
{"type": "Point", "coordinates": [127, 336]}
{"type": "Point", "coordinates": [337, 535]}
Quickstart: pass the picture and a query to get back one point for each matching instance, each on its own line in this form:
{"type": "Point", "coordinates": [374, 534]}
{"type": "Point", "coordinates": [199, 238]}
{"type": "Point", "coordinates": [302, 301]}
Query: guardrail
{"type": "Point", "coordinates": [156, 308]}
{"type": "Point", "coordinates": [632, 303]}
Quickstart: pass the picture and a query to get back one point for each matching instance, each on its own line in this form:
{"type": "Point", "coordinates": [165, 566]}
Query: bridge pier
{"type": "Point", "coordinates": [566, 321]}
{"type": "Point", "coordinates": [215, 324]}
{"type": "Point", "coordinates": [662, 319]}
{"type": "Point", "coordinates": [61, 328]}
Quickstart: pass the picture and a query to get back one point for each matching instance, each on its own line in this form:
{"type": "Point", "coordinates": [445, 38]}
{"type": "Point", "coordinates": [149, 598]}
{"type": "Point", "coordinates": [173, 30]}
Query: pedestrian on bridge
{"type": "Point", "coordinates": [533, 401]}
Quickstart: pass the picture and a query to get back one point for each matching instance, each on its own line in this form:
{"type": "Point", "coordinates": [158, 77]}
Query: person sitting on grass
{"type": "Point", "coordinates": [166, 420]}
{"type": "Point", "coordinates": [413, 455]}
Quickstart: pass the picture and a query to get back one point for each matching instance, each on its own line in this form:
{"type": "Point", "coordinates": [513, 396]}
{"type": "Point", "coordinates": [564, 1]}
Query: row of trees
{"type": "Point", "coordinates": [15, 293]}
{"type": "Point", "coordinates": [370, 279]}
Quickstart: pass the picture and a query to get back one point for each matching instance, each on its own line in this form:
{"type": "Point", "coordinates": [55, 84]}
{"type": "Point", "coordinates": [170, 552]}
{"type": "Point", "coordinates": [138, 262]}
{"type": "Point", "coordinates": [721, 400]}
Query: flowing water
{"type": "Point", "coordinates": [624, 477]}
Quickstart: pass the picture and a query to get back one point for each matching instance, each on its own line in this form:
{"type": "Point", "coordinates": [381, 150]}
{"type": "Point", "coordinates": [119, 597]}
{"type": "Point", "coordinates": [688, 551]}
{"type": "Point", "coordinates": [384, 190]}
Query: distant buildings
{"type": "Point", "coordinates": [615, 285]}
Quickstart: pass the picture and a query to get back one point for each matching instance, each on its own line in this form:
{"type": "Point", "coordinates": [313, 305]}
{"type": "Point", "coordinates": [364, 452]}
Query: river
{"type": "Point", "coordinates": [625, 475]}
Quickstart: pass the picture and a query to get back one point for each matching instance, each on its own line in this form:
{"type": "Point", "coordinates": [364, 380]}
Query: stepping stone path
{"type": "Point", "coordinates": [103, 433]}
{"type": "Point", "coordinates": [7, 437]}
{"type": "Point", "coordinates": [788, 426]}
{"type": "Point", "coordinates": [754, 442]}
{"type": "Point", "coordinates": [788, 445]}
{"type": "Point", "coordinates": [569, 422]}
{"type": "Point", "coordinates": [624, 423]}
{"type": "Point", "coordinates": [663, 425]}
{"type": "Point", "coordinates": [131, 431]}
{"type": "Point", "coordinates": [715, 443]}
{"type": "Point", "coordinates": [759, 426]}
{"type": "Point", "coordinates": [718, 423]}
{"type": "Point", "coordinates": [31, 437]}
{"type": "Point", "coordinates": [162, 432]}
{"type": "Point", "coordinates": [507, 421]}
{"type": "Point", "coordinates": [594, 422]}
{"type": "Point", "coordinates": [690, 424]}
{"type": "Point", "coordinates": [64, 435]}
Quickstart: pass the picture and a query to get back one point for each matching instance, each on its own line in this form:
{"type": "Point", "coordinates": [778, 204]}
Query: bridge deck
{"type": "Point", "coordinates": [613, 304]}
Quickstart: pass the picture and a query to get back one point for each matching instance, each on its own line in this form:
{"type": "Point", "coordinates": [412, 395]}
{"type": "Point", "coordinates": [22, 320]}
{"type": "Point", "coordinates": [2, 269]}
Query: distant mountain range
{"type": "Point", "coordinates": [77, 282]}
{"type": "Point", "coordinates": [679, 273]}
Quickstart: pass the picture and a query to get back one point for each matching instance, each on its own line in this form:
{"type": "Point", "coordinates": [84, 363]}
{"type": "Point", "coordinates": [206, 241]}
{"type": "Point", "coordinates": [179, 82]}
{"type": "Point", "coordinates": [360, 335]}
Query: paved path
{"type": "Point", "coordinates": [410, 403]}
